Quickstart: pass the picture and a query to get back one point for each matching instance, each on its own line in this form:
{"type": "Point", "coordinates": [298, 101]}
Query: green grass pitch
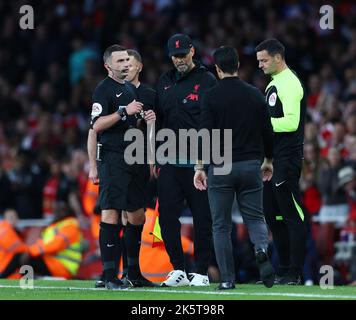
{"type": "Point", "coordinates": [84, 290]}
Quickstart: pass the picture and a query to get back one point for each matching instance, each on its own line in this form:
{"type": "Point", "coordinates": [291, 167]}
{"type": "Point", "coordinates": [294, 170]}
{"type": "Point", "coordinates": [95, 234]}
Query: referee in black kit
{"type": "Point", "coordinates": [178, 106]}
{"type": "Point", "coordinates": [233, 104]}
{"type": "Point", "coordinates": [121, 186]}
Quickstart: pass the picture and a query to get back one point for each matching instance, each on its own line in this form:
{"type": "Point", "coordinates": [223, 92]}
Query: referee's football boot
{"type": "Point", "coordinates": [139, 282]}
{"type": "Point", "coordinates": [116, 284]}
{"type": "Point", "coordinates": [265, 267]}
{"type": "Point", "coordinates": [100, 283]}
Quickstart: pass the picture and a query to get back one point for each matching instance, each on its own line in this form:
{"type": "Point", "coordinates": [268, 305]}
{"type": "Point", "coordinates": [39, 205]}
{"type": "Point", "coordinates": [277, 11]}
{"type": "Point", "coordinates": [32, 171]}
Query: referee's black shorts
{"type": "Point", "coordinates": [121, 186]}
{"type": "Point", "coordinates": [281, 196]}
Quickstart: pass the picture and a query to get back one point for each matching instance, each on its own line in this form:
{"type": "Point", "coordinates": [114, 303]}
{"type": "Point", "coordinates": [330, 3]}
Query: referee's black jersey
{"type": "Point", "coordinates": [108, 96]}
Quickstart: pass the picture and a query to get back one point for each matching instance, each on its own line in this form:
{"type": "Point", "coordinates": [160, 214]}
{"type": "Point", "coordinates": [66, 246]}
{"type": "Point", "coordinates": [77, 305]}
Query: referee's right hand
{"type": "Point", "coordinates": [134, 107]}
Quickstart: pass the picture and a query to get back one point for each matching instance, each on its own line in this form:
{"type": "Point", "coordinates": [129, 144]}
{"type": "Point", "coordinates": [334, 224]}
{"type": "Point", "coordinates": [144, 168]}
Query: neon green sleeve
{"type": "Point", "coordinates": [290, 94]}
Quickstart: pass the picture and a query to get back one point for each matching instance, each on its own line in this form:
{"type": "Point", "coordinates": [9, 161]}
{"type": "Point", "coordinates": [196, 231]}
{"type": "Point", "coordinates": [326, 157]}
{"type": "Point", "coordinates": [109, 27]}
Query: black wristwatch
{"type": "Point", "coordinates": [122, 113]}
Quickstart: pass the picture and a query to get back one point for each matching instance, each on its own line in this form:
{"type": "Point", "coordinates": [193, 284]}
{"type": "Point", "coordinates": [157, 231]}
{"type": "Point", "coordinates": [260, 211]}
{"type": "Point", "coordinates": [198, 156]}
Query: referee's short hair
{"type": "Point", "coordinates": [227, 59]}
{"type": "Point", "coordinates": [110, 50]}
{"type": "Point", "coordinates": [272, 46]}
{"type": "Point", "coordinates": [135, 54]}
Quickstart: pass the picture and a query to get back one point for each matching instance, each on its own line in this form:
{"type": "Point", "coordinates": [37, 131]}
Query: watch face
{"type": "Point", "coordinates": [121, 113]}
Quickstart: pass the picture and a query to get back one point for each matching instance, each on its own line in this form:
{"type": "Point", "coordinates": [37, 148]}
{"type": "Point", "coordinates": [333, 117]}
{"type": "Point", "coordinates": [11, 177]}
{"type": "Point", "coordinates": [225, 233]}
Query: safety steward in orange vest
{"type": "Point", "coordinates": [60, 245]}
{"type": "Point", "coordinates": [154, 261]}
{"type": "Point", "coordinates": [11, 244]}
{"type": "Point", "coordinates": [58, 252]}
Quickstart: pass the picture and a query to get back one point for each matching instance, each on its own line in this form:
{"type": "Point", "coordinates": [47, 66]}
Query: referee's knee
{"type": "Point", "coordinates": [137, 217]}
{"type": "Point", "coordinates": [110, 216]}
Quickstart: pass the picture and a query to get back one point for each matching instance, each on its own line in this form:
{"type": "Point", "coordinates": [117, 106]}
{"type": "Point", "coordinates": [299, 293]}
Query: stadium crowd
{"type": "Point", "coordinates": [47, 76]}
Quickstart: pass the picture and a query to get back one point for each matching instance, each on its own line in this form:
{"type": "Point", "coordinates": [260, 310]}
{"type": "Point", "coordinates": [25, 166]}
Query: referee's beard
{"type": "Point", "coordinates": [119, 75]}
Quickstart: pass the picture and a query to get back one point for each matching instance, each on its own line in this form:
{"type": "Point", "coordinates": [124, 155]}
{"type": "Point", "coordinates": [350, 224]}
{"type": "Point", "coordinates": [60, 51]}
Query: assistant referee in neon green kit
{"type": "Point", "coordinates": [282, 200]}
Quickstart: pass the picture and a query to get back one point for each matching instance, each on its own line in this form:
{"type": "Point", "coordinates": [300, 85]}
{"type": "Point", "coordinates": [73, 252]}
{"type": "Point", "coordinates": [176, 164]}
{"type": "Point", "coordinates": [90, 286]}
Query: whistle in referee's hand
{"type": "Point", "coordinates": [98, 150]}
{"type": "Point", "coordinates": [140, 115]}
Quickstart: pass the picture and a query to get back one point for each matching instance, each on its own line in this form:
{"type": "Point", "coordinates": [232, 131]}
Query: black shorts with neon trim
{"type": "Point", "coordinates": [282, 195]}
{"type": "Point", "coordinates": [122, 186]}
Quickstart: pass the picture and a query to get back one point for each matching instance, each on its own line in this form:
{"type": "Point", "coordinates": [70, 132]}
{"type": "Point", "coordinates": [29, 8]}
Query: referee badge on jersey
{"type": "Point", "coordinates": [96, 110]}
{"type": "Point", "coordinates": [272, 99]}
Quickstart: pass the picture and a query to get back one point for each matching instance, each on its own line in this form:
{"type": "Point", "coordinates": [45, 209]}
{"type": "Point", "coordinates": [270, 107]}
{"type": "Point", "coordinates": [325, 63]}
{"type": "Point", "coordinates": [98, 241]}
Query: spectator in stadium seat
{"type": "Point", "coordinates": [347, 181]}
{"type": "Point", "coordinates": [334, 205]}
{"type": "Point", "coordinates": [334, 208]}
{"type": "Point", "coordinates": [309, 177]}
{"type": "Point", "coordinates": [26, 185]}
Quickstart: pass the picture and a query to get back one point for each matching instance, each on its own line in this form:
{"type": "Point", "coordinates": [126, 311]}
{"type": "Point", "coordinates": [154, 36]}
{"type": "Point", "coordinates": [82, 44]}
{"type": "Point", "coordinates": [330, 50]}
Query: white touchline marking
{"type": "Point", "coordinates": [302, 295]}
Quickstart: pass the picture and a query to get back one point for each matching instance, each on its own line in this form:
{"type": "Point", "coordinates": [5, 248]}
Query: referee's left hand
{"type": "Point", "coordinates": [150, 116]}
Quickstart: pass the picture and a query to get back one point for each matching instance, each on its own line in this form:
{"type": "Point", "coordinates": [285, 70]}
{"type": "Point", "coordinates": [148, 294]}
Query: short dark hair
{"type": "Point", "coordinates": [135, 54]}
{"type": "Point", "coordinates": [272, 46]}
{"type": "Point", "coordinates": [227, 59]}
{"type": "Point", "coordinates": [110, 50]}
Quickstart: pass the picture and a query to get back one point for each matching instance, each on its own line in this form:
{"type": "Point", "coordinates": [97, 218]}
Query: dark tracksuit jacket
{"type": "Point", "coordinates": [178, 104]}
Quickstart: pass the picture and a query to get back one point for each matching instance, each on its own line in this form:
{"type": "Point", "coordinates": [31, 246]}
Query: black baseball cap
{"type": "Point", "coordinates": [179, 44]}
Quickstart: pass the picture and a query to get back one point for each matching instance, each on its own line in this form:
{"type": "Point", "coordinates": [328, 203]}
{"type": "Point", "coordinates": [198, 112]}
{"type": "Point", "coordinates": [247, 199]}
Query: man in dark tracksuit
{"type": "Point", "coordinates": [282, 200]}
{"type": "Point", "coordinates": [178, 106]}
{"type": "Point", "coordinates": [239, 107]}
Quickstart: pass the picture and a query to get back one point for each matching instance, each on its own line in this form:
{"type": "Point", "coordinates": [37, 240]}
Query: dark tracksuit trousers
{"type": "Point", "coordinates": [174, 185]}
{"type": "Point", "coordinates": [285, 216]}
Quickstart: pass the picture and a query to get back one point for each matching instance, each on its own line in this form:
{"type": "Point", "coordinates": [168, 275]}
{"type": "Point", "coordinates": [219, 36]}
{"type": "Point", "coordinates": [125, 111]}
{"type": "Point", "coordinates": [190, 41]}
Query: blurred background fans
{"type": "Point", "coordinates": [47, 76]}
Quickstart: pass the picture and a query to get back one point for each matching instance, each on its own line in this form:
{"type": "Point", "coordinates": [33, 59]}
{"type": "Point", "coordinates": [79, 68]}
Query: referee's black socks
{"type": "Point", "coordinates": [133, 244]}
{"type": "Point", "coordinates": [109, 249]}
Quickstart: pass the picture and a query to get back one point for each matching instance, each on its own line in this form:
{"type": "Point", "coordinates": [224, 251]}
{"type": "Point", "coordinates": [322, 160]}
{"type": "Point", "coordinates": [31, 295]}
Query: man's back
{"type": "Point", "coordinates": [234, 104]}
